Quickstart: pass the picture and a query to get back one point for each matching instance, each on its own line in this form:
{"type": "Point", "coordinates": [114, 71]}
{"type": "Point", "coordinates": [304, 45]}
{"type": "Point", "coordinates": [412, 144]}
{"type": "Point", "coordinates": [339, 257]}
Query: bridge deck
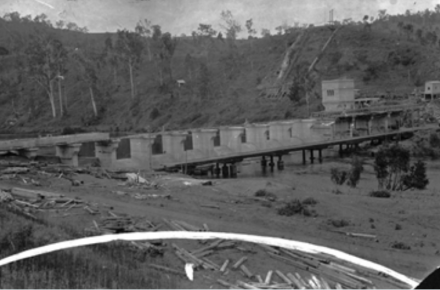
{"type": "Point", "coordinates": [18, 144]}
{"type": "Point", "coordinates": [292, 148]}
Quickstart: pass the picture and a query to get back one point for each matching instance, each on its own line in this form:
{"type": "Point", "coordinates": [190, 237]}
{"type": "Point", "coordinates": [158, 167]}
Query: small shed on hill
{"type": "Point", "coordinates": [338, 95]}
{"type": "Point", "coordinates": [432, 90]}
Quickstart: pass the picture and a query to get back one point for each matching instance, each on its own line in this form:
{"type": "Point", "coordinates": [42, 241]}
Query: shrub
{"type": "Point", "coordinates": [380, 193]}
{"type": "Point", "coordinates": [416, 178]}
{"type": "Point", "coordinates": [296, 207]}
{"type": "Point", "coordinates": [338, 223]}
{"type": "Point", "coordinates": [338, 176]}
{"type": "Point", "coordinates": [267, 194]}
{"type": "Point", "coordinates": [393, 171]}
{"type": "Point", "coordinates": [355, 171]}
{"type": "Point", "coordinates": [400, 246]}
{"type": "Point", "coordinates": [310, 201]}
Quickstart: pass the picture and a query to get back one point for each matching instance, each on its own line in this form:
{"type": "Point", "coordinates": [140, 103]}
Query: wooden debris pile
{"type": "Point", "coordinates": [118, 224]}
{"type": "Point", "coordinates": [299, 270]}
{"type": "Point", "coordinates": [31, 201]}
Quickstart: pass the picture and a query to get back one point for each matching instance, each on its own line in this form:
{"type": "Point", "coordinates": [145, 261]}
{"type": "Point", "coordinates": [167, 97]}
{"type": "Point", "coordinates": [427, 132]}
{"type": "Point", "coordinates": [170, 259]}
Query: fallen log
{"type": "Point", "coordinates": [28, 193]}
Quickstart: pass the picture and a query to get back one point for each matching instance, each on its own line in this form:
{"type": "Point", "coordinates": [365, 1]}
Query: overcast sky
{"type": "Point", "coordinates": [183, 16]}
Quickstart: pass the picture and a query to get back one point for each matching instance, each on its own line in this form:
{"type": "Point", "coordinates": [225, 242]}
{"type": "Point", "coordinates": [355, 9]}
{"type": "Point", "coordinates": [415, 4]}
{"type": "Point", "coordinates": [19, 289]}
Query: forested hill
{"type": "Point", "coordinates": [57, 75]}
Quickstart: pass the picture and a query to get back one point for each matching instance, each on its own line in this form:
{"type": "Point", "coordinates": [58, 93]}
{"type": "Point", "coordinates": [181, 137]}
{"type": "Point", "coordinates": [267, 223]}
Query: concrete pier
{"type": "Point", "coordinates": [29, 153]}
{"type": "Point", "coordinates": [106, 152]}
{"type": "Point", "coordinates": [69, 153]}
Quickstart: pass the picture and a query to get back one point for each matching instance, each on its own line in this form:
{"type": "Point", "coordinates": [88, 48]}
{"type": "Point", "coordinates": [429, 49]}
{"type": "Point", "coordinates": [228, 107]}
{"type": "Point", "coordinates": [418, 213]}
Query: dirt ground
{"type": "Point", "coordinates": [229, 205]}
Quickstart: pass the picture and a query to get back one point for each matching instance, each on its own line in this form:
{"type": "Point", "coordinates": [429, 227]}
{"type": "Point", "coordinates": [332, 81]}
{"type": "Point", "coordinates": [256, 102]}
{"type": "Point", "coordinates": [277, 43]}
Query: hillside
{"type": "Point", "coordinates": [225, 79]}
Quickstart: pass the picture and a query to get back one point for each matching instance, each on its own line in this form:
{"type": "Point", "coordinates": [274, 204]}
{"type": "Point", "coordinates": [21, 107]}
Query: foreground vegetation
{"type": "Point", "coordinates": [101, 266]}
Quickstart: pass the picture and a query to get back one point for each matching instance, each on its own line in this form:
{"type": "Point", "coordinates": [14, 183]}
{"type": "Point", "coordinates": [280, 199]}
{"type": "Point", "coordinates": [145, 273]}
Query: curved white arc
{"type": "Point", "coordinates": [293, 245]}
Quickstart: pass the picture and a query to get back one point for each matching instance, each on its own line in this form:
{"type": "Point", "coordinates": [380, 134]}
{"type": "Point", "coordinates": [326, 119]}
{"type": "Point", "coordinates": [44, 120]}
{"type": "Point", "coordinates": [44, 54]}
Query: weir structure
{"type": "Point", "coordinates": [220, 150]}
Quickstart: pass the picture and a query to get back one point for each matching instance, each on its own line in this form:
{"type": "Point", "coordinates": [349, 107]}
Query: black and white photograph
{"type": "Point", "coordinates": [207, 144]}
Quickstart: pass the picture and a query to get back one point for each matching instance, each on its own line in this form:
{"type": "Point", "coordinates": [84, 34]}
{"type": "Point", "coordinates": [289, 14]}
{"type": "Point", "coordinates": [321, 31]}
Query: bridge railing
{"type": "Point", "coordinates": [371, 109]}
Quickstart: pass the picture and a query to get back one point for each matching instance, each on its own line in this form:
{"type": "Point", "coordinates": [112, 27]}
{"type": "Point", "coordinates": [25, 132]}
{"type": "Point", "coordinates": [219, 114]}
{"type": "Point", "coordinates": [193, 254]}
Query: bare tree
{"type": "Point", "coordinates": [231, 26]}
{"type": "Point", "coordinates": [129, 47]}
{"type": "Point", "coordinates": [144, 29]}
{"type": "Point", "coordinates": [46, 58]}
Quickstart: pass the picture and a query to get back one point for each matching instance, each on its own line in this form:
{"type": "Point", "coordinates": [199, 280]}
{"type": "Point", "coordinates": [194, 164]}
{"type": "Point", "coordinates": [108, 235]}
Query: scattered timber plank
{"type": "Point", "coordinates": [239, 262]}
{"type": "Point", "coordinates": [167, 269]}
{"type": "Point", "coordinates": [296, 282]}
{"type": "Point", "coordinates": [209, 247]}
{"type": "Point", "coordinates": [15, 170]}
{"type": "Point", "coordinates": [188, 226]}
{"type": "Point", "coordinates": [177, 226]}
{"type": "Point", "coordinates": [260, 280]}
{"type": "Point", "coordinates": [283, 277]}
{"type": "Point", "coordinates": [203, 254]}
{"type": "Point", "coordinates": [226, 284]}
{"type": "Point", "coordinates": [268, 277]}
{"type": "Point", "coordinates": [34, 193]}
{"type": "Point", "coordinates": [26, 203]}
{"type": "Point", "coordinates": [192, 258]}
{"type": "Point", "coordinates": [246, 285]}
{"type": "Point", "coordinates": [356, 235]}
{"type": "Point", "coordinates": [206, 260]}
{"type": "Point", "coordinates": [171, 225]}
{"type": "Point", "coordinates": [205, 226]}
{"type": "Point", "coordinates": [246, 271]}
{"type": "Point", "coordinates": [155, 228]}
{"type": "Point", "coordinates": [269, 248]}
{"type": "Point", "coordinates": [225, 265]}
{"type": "Point", "coordinates": [294, 263]}
{"type": "Point", "coordinates": [304, 260]}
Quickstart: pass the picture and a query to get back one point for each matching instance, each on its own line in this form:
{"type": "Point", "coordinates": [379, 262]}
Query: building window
{"type": "Point", "coordinates": [157, 147]}
{"type": "Point", "coordinates": [188, 142]}
{"type": "Point", "coordinates": [216, 139]}
{"type": "Point", "coordinates": [290, 132]}
{"type": "Point", "coordinates": [330, 93]}
{"type": "Point", "coordinates": [243, 137]}
{"type": "Point", "coordinates": [267, 133]}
